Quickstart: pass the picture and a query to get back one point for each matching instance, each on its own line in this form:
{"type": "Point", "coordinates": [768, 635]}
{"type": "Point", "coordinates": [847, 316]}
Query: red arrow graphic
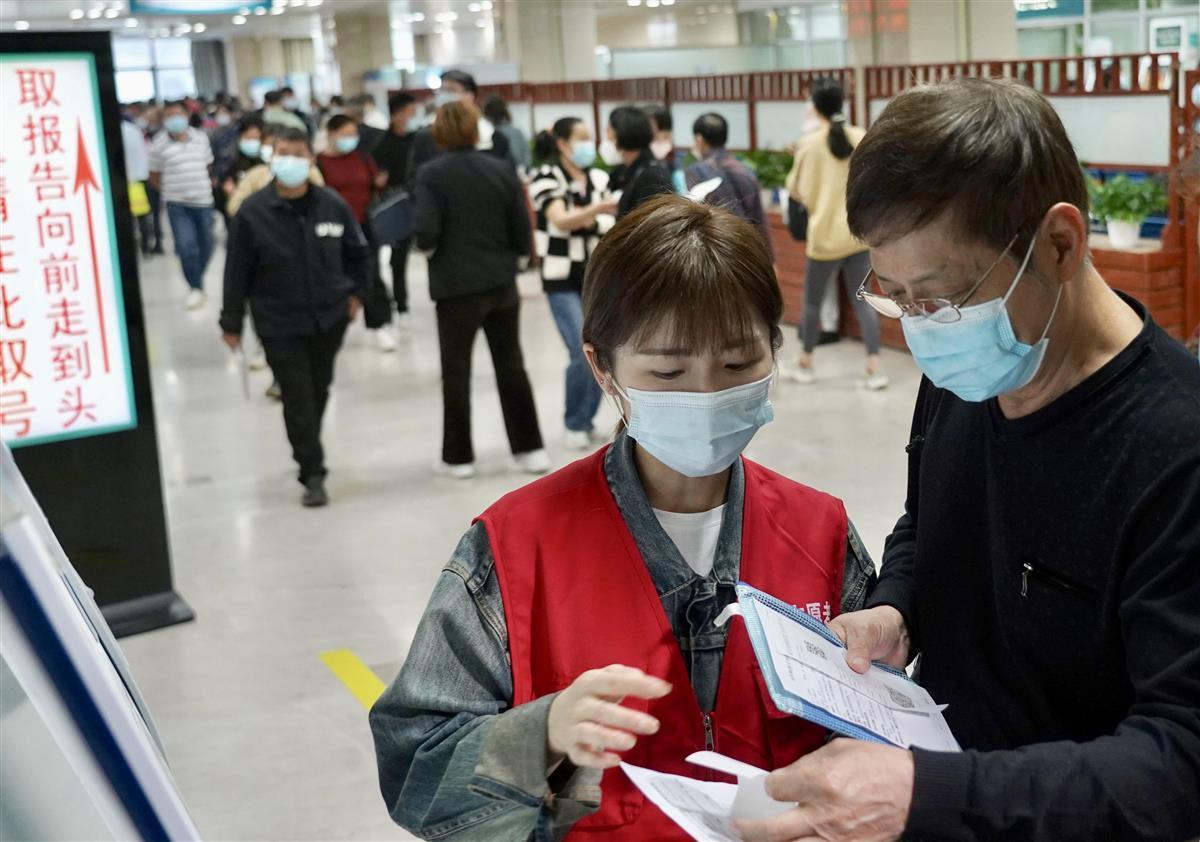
{"type": "Point", "coordinates": [85, 179]}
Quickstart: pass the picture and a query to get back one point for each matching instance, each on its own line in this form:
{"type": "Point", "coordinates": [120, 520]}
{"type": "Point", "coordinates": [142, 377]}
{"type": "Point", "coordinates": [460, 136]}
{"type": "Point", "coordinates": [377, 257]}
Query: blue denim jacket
{"type": "Point", "coordinates": [456, 760]}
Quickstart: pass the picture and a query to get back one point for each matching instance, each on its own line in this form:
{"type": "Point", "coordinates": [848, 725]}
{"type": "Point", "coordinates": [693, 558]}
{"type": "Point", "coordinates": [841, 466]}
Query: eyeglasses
{"type": "Point", "coordinates": [940, 310]}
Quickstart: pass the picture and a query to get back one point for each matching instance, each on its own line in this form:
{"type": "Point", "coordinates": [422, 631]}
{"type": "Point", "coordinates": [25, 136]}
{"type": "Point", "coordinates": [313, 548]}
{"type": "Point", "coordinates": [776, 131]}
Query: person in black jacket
{"type": "Point", "coordinates": [1047, 563]}
{"type": "Point", "coordinates": [636, 173]}
{"type": "Point", "coordinates": [298, 257]}
{"type": "Point", "coordinates": [471, 214]}
{"type": "Point", "coordinates": [457, 86]}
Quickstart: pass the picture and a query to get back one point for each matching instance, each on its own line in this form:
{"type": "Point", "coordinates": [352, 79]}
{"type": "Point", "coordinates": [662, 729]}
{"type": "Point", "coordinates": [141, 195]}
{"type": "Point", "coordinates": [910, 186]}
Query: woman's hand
{"type": "Point", "coordinates": [587, 723]}
{"type": "Point", "coordinates": [607, 206]}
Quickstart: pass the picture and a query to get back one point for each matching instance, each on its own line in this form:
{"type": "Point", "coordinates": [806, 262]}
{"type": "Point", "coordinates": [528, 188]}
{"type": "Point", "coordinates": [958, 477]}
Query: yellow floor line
{"type": "Point", "coordinates": [357, 676]}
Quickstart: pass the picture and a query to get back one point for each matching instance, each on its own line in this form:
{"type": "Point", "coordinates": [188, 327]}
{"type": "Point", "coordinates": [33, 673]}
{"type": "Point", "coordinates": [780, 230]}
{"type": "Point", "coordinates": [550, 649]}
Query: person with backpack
{"type": "Point", "coordinates": [818, 182]}
{"type": "Point", "coordinates": [738, 191]}
{"type": "Point", "coordinates": [356, 178]}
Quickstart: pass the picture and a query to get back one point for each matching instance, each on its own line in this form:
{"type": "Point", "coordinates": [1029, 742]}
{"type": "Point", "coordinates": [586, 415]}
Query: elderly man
{"type": "Point", "coordinates": [1047, 565]}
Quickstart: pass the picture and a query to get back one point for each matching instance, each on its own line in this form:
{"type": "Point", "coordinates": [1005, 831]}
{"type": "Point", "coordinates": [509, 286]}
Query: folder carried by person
{"type": "Point", "coordinates": [805, 668]}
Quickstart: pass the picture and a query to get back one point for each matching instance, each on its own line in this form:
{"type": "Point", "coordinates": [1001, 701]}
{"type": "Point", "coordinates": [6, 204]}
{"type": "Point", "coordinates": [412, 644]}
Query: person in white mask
{"type": "Point", "coordinates": [1045, 566]}
{"type": "Point", "coordinates": [601, 582]}
{"type": "Point", "coordinates": [457, 86]}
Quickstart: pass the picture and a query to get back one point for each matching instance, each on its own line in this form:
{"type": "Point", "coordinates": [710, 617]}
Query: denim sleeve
{"type": "Point", "coordinates": [858, 575]}
{"type": "Point", "coordinates": [456, 760]}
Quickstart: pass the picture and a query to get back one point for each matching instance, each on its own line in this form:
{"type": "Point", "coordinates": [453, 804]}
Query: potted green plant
{"type": "Point", "coordinates": [1123, 204]}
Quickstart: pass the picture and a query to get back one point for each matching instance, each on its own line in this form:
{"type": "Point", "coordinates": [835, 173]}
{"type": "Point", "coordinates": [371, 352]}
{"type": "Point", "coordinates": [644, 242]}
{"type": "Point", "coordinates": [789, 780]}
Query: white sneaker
{"type": "Point", "coordinates": [196, 299]}
{"type": "Point", "coordinates": [876, 382]}
{"type": "Point", "coordinates": [535, 462]}
{"type": "Point", "coordinates": [578, 440]}
{"type": "Point", "coordinates": [257, 361]}
{"type": "Point", "coordinates": [444, 469]}
{"type": "Point", "coordinates": [385, 340]}
{"type": "Point", "coordinates": [799, 374]}
{"type": "Point", "coordinates": [404, 323]}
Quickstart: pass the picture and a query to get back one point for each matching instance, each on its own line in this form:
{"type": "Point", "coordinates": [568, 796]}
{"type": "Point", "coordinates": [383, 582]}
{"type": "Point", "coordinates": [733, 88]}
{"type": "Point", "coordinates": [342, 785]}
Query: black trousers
{"type": "Point", "coordinates": [303, 367]}
{"type": "Point", "coordinates": [400, 250]}
{"type": "Point", "coordinates": [156, 228]}
{"type": "Point", "coordinates": [377, 309]}
{"type": "Point", "coordinates": [459, 319]}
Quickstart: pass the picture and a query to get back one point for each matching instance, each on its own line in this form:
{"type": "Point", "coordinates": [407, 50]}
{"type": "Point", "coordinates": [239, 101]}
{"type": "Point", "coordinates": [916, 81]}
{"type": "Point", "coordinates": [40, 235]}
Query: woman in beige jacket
{"type": "Point", "coordinates": [818, 181]}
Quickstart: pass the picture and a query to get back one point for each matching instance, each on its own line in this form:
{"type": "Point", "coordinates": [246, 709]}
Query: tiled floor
{"type": "Point", "coordinates": [263, 739]}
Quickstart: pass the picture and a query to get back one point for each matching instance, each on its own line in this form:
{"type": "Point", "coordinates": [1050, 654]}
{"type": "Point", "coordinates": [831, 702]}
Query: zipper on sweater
{"type": "Point", "coordinates": [1028, 570]}
{"type": "Point", "coordinates": [710, 742]}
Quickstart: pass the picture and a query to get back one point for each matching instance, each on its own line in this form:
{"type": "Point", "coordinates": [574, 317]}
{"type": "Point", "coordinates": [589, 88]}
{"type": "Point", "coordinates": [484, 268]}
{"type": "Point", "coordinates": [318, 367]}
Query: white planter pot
{"type": "Point", "coordinates": [1123, 235]}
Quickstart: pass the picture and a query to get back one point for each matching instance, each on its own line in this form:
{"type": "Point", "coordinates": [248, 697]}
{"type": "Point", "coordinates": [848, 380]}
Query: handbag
{"type": "Point", "coordinates": [797, 220]}
{"type": "Point", "coordinates": [394, 217]}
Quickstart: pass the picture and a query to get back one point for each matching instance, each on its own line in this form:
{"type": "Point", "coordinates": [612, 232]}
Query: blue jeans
{"type": "Point", "coordinates": [191, 226]}
{"type": "Point", "coordinates": [583, 392]}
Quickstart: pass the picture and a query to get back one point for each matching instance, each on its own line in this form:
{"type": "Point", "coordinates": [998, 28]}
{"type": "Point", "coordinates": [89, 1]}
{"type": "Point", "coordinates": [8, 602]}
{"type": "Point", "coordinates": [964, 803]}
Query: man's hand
{"type": "Point", "coordinates": [876, 634]}
{"type": "Point", "coordinates": [381, 180]}
{"type": "Point", "coordinates": [587, 723]}
{"type": "Point", "coordinates": [848, 790]}
{"type": "Point", "coordinates": [233, 340]}
{"type": "Point", "coordinates": [353, 306]}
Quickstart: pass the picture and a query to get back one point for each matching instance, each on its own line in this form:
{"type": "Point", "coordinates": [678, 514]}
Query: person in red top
{"type": "Point", "coordinates": [574, 626]}
{"type": "Point", "coordinates": [356, 178]}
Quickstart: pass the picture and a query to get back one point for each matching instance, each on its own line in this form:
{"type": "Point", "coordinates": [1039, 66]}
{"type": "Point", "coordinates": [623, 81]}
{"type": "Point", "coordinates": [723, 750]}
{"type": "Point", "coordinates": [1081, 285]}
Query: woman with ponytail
{"type": "Point", "coordinates": [818, 181]}
{"type": "Point", "coordinates": [574, 209]}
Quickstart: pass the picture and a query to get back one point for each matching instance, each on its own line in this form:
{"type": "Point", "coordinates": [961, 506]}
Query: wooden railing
{"type": "Point", "coordinates": [1130, 73]}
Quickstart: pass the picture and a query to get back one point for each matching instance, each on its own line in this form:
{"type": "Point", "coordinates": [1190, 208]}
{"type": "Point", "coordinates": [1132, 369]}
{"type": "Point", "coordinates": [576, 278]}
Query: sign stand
{"type": "Point", "coordinates": [75, 400]}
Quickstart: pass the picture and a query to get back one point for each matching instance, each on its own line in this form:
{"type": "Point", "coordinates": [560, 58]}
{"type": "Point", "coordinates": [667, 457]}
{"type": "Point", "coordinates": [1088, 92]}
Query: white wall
{"type": "Point", "coordinates": [780, 124]}
{"type": "Point", "coordinates": [737, 114]}
{"type": "Point", "coordinates": [1132, 130]}
{"type": "Point", "coordinates": [546, 113]}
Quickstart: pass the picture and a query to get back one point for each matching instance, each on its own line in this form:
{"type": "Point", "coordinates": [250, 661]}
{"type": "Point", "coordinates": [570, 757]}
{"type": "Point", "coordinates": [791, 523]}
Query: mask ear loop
{"type": "Point", "coordinates": [1021, 271]}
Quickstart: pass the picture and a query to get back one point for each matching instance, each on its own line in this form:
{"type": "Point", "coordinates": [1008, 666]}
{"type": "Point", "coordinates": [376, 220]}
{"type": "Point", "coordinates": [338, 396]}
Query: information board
{"type": "Point", "coordinates": [64, 353]}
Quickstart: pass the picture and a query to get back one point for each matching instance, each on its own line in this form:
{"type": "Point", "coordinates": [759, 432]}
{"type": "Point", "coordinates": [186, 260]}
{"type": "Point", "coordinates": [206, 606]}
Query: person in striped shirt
{"type": "Point", "coordinates": [180, 158]}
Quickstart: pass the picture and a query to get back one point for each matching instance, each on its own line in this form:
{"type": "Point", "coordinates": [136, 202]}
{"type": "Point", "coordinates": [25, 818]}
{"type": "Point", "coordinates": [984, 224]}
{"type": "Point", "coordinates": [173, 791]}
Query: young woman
{"type": "Point", "coordinates": [818, 182]}
{"type": "Point", "coordinates": [573, 627]}
{"type": "Point", "coordinates": [248, 155]}
{"type": "Point", "coordinates": [573, 208]}
{"type": "Point", "coordinates": [357, 179]}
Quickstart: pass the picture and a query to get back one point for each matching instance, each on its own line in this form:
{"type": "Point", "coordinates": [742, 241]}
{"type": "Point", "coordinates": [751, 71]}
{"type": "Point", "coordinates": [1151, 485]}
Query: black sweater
{"type": "Point", "coordinates": [1048, 568]}
{"type": "Point", "coordinates": [471, 211]}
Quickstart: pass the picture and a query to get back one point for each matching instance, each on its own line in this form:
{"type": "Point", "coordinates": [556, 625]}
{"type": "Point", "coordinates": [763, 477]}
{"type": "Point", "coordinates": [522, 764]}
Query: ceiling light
{"type": "Point", "coordinates": [238, 20]}
{"type": "Point", "coordinates": [634, 2]}
{"type": "Point", "coordinates": [278, 10]}
{"type": "Point", "coordinates": [131, 22]}
{"type": "Point", "coordinates": [474, 8]}
{"type": "Point", "coordinates": [183, 29]}
{"type": "Point", "coordinates": [199, 27]}
{"type": "Point", "coordinates": [21, 25]}
{"type": "Point", "coordinates": [93, 14]}
{"type": "Point", "coordinates": [260, 10]}
{"type": "Point", "coordinates": [416, 17]}
{"type": "Point", "coordinates": [296, 2]}
{"type": "Point", "coordinates": [486, 5]}
{"type": "Point", "coordinates": [315, 3]}
{"type": "Point", "coordinates": [112, 13]}
{"type": "Point", "coordinates": [651, 4]}
{"type": "Point", "coordinates": [76, 14]}
{"type": "Point", "coordinates": [668, 2]}
{"type": "Point", "coordinates": [445, 17]}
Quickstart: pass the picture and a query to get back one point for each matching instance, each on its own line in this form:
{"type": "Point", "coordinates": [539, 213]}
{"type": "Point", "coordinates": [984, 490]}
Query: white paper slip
{"type": "Point", "coordinates": [706, 809]}
{"type": "Point", "coordinates": [807, 674]}
{"type": "Point", "coordinates": [700, 192]}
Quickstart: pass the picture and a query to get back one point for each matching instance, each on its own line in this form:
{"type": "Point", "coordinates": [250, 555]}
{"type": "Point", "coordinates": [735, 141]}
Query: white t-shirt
{"type": "Point", "coordinates": [695, 535]}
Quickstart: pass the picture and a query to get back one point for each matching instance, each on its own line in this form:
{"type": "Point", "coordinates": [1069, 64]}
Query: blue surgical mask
{"type": "Point", "coordinates": [292, 171]}
{"type": "Point", "coordinates": [346, 144]}
{"type": "Point", "coordinates": [250, 147]}
{"type": "Point", "coordinates": [176, 124]}
{"type": "Point", "coordinates": [979, 356]}
{"type": "Point", "coordinates": [698, 434]}
{"type": "Point", "coordinates": [583, 153]}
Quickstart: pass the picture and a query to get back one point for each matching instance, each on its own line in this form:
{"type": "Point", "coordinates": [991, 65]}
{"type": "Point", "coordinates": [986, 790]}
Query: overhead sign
{"type": "Point", "coordinates": [64, 354]}
{"type": "Point", "coordinates": [1027, 9]}
{"type": "Point", "coordinates": [195, 7]}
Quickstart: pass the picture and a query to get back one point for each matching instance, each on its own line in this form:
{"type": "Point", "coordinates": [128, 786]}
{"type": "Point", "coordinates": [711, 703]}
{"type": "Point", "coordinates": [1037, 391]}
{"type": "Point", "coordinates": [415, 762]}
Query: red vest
{"type": "Point", "coordinates": [578, 596]}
